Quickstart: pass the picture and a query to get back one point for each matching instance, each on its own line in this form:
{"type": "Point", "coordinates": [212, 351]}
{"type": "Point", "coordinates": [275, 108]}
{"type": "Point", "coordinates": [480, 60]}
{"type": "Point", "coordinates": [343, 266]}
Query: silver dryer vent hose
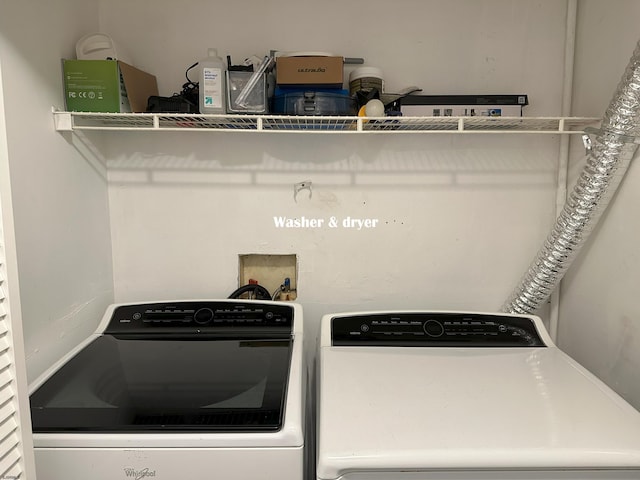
{"type": "Point", "coordinates": [609, 156]}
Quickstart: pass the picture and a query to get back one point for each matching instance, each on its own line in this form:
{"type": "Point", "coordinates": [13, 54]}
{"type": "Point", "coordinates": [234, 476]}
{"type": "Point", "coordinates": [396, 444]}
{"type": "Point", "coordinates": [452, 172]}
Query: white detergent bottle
{"type": "Point", "coordinates": [211, 84]}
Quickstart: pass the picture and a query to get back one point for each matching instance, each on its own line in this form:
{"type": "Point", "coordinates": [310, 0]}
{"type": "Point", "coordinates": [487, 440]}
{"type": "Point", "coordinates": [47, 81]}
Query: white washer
{"type": "Point", "coordinates": [170, 390]}
{"type": "Point", "coordinates": [450, 395]}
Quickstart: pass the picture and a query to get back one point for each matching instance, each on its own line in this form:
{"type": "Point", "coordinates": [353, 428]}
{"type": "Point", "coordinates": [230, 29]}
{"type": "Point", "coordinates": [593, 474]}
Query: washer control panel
{"type": "Point", "coordinates": [434, 329]}
{"type": "Point", "coordinates": [201, 317]}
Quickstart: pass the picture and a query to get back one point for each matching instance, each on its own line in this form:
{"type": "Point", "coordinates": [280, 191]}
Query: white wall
{"type": "Point", "coordinates": [600, 313]}
{"type": "Point", "coordinates": [460, 218]}
{"type": "Point", "coordinates": [59, 200]}
{"type": "Point", "coordinates": [443, 46]}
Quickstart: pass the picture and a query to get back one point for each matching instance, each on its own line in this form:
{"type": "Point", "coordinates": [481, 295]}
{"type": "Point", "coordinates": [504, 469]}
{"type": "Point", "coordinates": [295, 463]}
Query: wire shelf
{"type": "Point", "coordinates": [70, 121]}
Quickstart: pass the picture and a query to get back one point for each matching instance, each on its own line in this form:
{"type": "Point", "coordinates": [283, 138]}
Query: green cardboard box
{"type": "Point", "coordinates": [106, 86]}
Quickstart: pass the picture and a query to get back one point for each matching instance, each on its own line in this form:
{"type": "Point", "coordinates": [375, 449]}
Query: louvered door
{"type": "Point", "coordinates": [11, 445]}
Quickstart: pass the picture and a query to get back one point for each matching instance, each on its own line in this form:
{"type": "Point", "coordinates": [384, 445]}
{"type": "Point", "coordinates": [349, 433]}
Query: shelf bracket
{"type": "Point", "coordinates": [63, 121]}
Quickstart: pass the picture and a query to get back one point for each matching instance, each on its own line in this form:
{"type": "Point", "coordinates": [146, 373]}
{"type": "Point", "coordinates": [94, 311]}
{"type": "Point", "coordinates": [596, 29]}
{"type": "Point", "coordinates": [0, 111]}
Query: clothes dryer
{"type": "Point", "coordinates": [415, 395]}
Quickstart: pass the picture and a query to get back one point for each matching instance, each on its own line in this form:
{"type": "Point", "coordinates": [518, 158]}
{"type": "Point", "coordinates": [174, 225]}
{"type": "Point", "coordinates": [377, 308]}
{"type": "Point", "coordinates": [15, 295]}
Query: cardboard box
{"type": "Point", "coordinates": [310, 71]}
{"type": "Point", "coordinates": [463, 105]}
{"type": "Point", "coordinates": [106, 86]}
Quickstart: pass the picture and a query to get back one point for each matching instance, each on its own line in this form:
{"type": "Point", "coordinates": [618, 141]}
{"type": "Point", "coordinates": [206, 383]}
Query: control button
{"type": "Point", "coordinates": [502, 328]}
{"type": "Point", "coordinates": [137, 316]}
{"type": "Point", "coordinates": [433, 328]}
{"type": "Point", "coordinates": [268, 315]}
{"type": "Point", "coordinates": [203, 316]}
{"type": "Point", "coordinates": [364, 327]}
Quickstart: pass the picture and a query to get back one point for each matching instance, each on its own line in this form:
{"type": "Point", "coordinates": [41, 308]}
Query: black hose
{"type": "Point", "coordinates": [258, 292]}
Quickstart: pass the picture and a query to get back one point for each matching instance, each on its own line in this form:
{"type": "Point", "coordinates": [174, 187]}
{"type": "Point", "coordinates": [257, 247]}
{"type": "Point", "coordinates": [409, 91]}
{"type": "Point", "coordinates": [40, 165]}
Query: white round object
{"type": "Point", "coordinates": [99, 46]}
{"type": "Point", "coordinates": [365, 79]}
{"type": "Point", "coordinates": [366, 72]}
{"type": "Point", "coordinates": [374, 108]}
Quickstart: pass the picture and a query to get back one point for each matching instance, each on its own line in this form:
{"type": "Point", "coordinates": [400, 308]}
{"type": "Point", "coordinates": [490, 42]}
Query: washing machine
{"type": "Point", "coordinates": [167, 390]}
{"type": "Point", "coordinates": [416, 395]}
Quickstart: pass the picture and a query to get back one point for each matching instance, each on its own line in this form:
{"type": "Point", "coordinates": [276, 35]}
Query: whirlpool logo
{"type": "Point", "coordinates": [139, 474]}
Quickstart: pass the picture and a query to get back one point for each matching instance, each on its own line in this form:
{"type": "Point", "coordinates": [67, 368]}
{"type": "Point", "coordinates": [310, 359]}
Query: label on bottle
{"type": "Point", "coordinates": [212, 93]}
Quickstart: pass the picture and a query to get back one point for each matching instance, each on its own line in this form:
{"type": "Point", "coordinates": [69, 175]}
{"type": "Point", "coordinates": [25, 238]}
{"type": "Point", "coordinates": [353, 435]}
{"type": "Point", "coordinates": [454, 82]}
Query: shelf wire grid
{"type": "Point", "coordinates": [310, 124]}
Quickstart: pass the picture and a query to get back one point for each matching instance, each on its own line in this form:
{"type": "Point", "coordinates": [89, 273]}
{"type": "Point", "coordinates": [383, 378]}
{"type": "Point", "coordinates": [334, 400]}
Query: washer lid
{"type": "Point", "coordinates": [399, 408]}
{"type": "Point", "coordinates": [128, 385]}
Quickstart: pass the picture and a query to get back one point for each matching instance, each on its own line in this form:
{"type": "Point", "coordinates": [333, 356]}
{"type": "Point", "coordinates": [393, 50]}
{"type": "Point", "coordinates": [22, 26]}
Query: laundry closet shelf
{"type": "Point", "coordinates": [72, 121]}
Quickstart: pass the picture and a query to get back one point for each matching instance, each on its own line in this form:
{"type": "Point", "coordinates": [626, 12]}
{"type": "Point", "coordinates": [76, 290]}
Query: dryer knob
{"type": "Point", "coordinates": [203, 316]}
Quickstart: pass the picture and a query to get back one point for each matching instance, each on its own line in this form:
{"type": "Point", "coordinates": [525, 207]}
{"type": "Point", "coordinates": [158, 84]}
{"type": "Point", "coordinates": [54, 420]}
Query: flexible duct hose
{"type": "Point", "coordinates": [609, 157]}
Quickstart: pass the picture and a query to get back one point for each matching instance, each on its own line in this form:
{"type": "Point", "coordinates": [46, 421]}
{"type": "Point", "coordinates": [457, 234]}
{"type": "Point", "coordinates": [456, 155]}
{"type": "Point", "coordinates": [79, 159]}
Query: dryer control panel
{"type": "Point", "coordinates": [220, 318]}
{"type": "Point", "coordinates": [435, 330]}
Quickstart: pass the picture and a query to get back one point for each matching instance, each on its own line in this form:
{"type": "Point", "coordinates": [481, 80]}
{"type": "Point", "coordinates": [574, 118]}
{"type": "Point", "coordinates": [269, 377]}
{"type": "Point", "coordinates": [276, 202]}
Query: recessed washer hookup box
{"type": "Point", "coordinates": [463, 105]}
{"type": "Point", "coordinates": [310, 71]}
{"type": "Point", "coordinates": [106, 86]}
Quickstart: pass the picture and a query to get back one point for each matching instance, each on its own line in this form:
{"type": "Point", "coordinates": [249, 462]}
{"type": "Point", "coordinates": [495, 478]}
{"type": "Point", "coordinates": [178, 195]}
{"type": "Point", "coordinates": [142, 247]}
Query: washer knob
{"type": "Point", "coordinates": [203, 316]}
{"type": "Point", "coordinates": [433, 328]}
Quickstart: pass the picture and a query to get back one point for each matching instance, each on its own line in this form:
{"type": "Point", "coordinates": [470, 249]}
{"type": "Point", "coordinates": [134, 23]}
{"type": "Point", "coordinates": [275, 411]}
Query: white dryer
{"type": "Point", "coordinates": [446, 395]}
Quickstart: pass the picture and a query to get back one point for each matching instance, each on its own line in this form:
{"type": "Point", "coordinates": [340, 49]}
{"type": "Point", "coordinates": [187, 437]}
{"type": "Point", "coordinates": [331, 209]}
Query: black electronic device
{"type": "Point", "coordinates": [173, 104]}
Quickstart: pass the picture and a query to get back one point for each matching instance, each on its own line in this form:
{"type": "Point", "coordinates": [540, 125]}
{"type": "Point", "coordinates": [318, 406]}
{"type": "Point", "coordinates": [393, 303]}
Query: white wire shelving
{"type": "Point", "coordinates": [72, 121]}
